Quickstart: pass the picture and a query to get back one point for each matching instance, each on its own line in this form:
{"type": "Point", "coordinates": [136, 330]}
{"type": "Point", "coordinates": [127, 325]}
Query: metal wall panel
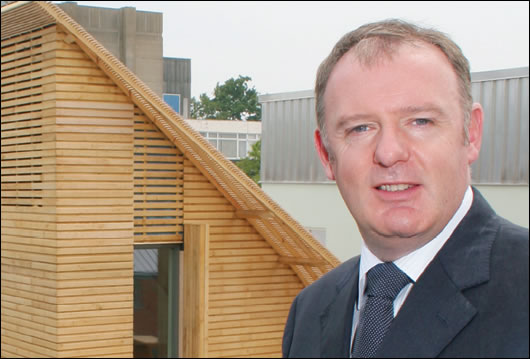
{"type": "Point", "coordinates": [177, 80]}
{"type": "Point", "coordinates": [504, 154]}
{"type": "Point", "coordinates": [177, 76]}
{"type": "Point", "coordinates": [287, 151]}
{"type": "Point", "coordinates": [288, 123]}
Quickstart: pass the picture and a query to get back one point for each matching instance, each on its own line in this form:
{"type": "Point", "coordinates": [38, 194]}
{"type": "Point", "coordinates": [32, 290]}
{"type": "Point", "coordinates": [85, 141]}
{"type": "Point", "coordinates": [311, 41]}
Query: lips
{"type": "Point", "coordinates": [395, 187]}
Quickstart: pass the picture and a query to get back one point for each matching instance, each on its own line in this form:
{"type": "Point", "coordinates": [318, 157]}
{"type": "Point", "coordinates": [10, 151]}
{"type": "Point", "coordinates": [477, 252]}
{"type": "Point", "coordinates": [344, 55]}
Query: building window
{"type": "Point", "coordinates": [234, 146]}
{"type": "Point", "coordinates": [242, 149]}
{"type": "Point", "coordinates": [173, 100]}
{"type": "Point", "coordinates": [228, 147]}
{"type": "Point", "coordinates": [156, 273]}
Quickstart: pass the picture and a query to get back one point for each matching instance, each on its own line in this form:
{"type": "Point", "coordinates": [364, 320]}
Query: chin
{"type": "Point", "coordinates": [404, 228]}
{"type": "Point", "coordinates": [402, 233]}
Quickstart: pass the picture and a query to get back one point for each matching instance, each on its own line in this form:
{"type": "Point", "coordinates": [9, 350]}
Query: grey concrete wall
{"type": "Point", "coordinates": [134, 37]}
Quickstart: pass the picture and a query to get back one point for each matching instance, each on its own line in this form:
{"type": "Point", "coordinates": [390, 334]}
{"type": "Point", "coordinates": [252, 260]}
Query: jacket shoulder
{"type": "Point", "coordinates": [511, 246]}
{"type": "Point", "coordinates": [302, 334]}
{"type": "Point", "coordinates": [332, 281]}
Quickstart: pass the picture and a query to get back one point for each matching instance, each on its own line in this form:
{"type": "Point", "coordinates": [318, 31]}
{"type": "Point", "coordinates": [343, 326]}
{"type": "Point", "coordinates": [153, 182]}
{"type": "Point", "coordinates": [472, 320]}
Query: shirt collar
{"type": "Point", "coordinates": [414, 263]}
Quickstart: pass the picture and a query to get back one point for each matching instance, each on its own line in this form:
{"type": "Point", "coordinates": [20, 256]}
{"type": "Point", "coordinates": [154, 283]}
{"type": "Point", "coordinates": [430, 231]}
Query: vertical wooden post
{"type": "Point", "coordinates": [195, 293]}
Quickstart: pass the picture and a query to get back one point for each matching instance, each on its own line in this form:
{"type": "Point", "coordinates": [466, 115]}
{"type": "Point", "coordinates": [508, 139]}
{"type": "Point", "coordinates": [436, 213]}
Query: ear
{"type": "Point", "coordinates": [323, 155]}
{"type": "Point", "coordinates": [475, 132]}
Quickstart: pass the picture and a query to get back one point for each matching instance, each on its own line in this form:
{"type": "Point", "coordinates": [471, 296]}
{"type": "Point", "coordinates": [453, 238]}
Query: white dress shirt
{"type": "Point", "coordinates": [413, 264]}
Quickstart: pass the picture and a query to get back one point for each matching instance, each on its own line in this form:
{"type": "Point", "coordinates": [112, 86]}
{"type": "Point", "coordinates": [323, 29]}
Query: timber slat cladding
{"type": "Point", "coordinates": [20, 22]}
{"type": "Point", "coordinates": [28, 221]}
{"type": "Point", "coordinates": [94, 208]}
{"type": "Point", "coordinates": [67, 202]}
{"type": "Point", "coordinates": [93, 162]}
{"type": "Point", "coordinates": [249, 291]}
{"type": "Point", "coordinates": [158, 185]}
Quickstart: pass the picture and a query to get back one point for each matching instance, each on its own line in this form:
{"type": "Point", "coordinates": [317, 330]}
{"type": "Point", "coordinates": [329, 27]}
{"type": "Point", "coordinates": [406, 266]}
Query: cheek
{"type": "Point", "coordinates": [350, 171]}
{"type": "Point", "coordinates": [447, 166]}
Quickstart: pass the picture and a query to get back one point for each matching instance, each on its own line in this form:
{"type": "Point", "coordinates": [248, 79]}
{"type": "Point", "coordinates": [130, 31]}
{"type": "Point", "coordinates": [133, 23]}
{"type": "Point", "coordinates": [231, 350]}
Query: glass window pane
{"type": "Point", "coordinates": [173, 100]}
{"type": "Point", "coordinates": [156, 302]}
{"type": "Point", "coordinates": [242, 149]}
{"type": "Point", "coordinates": [228, 148]}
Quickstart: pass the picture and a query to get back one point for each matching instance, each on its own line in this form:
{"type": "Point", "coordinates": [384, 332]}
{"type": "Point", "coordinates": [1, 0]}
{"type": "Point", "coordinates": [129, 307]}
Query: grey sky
{"type": "Point", "coordinates": [281, 44]}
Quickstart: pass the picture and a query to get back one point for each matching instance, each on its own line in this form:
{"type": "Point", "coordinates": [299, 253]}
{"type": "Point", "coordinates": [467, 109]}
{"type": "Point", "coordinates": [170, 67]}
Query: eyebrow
{"type": "Point", "coordinates": [344, 120]}
{"type": "Point", "coordinates": [410, 110]}
{"type": "Point", "coordinates": [407, 110]}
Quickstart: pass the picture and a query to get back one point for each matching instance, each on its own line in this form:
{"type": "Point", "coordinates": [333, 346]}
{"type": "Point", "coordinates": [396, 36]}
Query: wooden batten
{"type": "Point", "coordinates": [301, 261]}
{"type": "Point", "coordinates": [261, 214]}
{"type": "Point", "coordinates": [194, 324]}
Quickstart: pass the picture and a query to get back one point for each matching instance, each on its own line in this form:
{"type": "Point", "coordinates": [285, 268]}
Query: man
{"type": "Point", "coordinates": [398, 131]}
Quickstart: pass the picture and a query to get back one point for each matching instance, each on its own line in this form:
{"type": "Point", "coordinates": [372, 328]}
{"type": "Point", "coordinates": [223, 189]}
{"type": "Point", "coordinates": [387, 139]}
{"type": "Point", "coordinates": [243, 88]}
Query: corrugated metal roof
{"type": "Point", "coordinates": [288, 124]}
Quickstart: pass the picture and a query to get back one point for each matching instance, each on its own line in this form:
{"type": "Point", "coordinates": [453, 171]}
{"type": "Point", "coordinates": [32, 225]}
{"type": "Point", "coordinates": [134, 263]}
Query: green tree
{"type": "Point", "coordinates": [251, 164]}
{"type": "Point", "coordinates": [233, 100]}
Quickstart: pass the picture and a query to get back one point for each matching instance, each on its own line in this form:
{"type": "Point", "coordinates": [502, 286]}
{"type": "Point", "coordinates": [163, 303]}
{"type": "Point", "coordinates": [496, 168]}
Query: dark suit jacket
{"type": "Point", "coordinates": [471, 300]}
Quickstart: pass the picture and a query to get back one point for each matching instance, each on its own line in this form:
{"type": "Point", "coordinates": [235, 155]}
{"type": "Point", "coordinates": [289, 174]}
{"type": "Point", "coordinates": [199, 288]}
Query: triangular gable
{"type": "Point", "coordinates": [295, 245]}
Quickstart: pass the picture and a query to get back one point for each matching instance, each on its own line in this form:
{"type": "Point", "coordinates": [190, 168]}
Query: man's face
{"type": "Point", "coordinates": [396, 146]}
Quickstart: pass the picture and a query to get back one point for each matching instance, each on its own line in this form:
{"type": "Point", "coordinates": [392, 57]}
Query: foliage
{"type": "Point", "coordinates": [233, 100]}
{"type": "Point", "coordinates": [251, 164]}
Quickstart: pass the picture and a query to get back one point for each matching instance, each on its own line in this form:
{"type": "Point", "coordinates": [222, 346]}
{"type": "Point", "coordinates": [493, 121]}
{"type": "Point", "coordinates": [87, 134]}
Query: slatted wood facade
{"type": "Point", "coordinates": [29, 266]}
{"type": "Point", "coordinates": [67, 209]}
{"type": "Point", "coordinates": [158, 184]}
{"type": "Point", "coordinates": [93, 178]}
{"type": "Point", "coordinates": [93, 163]}
{"type": "Point", "coordinates": [249, 290]}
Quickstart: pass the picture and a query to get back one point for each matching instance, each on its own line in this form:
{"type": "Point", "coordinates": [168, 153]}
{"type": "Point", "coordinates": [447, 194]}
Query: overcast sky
{"type": "Point", "coordinates": [280, 44]}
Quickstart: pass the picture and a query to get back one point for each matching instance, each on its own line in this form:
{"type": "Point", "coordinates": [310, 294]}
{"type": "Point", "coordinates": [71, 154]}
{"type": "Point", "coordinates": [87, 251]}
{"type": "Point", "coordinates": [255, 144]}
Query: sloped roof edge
{"type": "Point", "coordinates": [13, 5]}
{"type": "Point", "coordinates": [240, 190]}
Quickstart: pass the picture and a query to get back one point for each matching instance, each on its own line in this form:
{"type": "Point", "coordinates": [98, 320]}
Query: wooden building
{"type": "Point", "coordinates": [94, 167]}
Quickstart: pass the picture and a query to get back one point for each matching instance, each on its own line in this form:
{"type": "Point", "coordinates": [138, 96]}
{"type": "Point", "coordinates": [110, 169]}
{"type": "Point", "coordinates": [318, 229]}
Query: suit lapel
{"type": "Point", "coordinates": [436, 309]}
{"type": "Point", "coordinates": [336, 319]}
{"type": "Point", "coordinates": [423, 327]}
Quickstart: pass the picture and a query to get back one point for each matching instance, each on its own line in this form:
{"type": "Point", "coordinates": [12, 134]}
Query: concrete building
{"type": "Point", "coordinates": [292, 175]}
{"type": "Point", "coordinates": [135, 38]}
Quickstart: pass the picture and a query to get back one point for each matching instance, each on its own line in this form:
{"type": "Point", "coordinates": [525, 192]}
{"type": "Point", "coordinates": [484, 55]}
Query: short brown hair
{"type": "Point", "coordinates": [375, 40]}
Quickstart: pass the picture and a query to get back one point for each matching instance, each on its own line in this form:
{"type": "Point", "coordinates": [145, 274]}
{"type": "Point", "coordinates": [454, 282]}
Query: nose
{"type": "Point", "coordinates": [391, 148]}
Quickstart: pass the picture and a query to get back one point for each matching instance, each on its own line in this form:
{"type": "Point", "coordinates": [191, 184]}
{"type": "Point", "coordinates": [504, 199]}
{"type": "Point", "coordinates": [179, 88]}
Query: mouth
{"type": "Point", "coordinates": [395, 187]}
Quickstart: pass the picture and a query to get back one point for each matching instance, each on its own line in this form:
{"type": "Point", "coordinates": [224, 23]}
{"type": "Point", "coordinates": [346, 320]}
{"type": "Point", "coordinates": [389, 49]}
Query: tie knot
{"type": "Point", "coordinates": [385, 280]}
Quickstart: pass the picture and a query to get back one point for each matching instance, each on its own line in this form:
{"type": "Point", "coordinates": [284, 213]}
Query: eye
{"type": "Point", "coordinates": [359, 129]}
{"type": "Point", "coordinates": [422, 121]}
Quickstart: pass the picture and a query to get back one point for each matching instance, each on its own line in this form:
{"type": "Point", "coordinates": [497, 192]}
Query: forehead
{"type": "Point", "coordinates": [409, 76]}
